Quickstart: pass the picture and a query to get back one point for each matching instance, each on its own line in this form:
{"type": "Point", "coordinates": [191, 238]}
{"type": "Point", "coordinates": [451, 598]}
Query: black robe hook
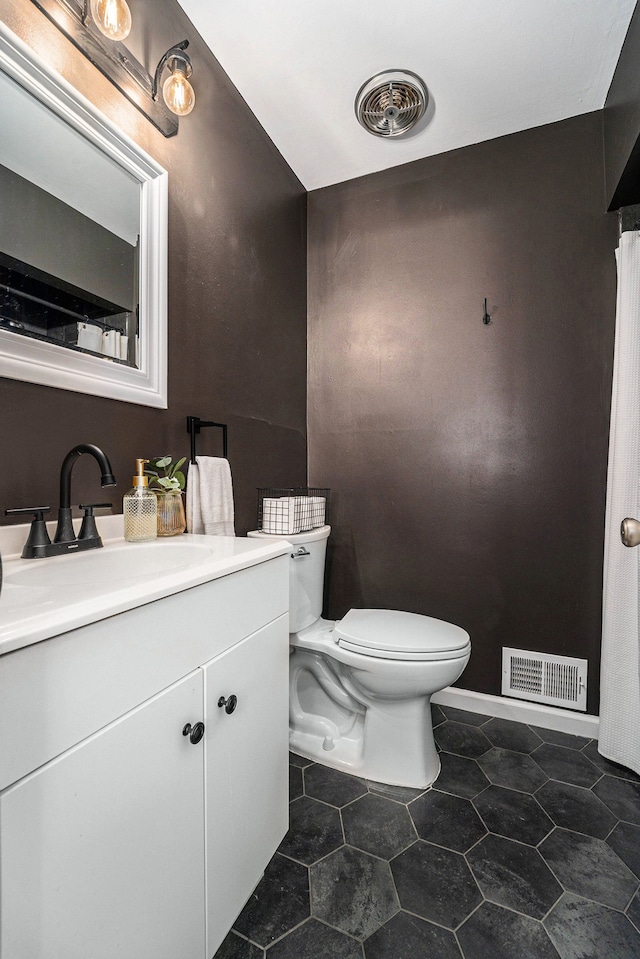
{"type": "Point", "coordinates": [486, 319]}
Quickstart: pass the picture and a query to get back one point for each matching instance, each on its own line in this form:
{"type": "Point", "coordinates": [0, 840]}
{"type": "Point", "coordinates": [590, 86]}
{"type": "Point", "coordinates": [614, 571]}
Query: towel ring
{"type": "Point", "coordinates": [195, 424]}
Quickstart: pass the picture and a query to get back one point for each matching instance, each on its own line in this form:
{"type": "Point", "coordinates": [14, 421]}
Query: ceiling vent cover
{"type": "Point", "coordinates": [391, 103]}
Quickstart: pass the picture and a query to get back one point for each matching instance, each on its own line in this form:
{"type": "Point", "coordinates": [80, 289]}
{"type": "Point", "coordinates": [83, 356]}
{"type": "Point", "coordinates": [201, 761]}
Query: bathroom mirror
{"type": "Point", "coordinates": [83, 241]}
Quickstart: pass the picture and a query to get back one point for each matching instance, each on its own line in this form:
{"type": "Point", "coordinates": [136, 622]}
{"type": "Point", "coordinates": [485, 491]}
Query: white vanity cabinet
{"type": "Point", "coordinates": [244, 789]}
{"type": "Point", "coordinates": [131, 840]}
{"type": "Point", "coordinates": [102, 848]}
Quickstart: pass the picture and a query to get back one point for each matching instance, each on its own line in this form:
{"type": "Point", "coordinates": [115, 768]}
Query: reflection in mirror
{"type": "Point", "coordinates": [69, 234]}
{"type": "Point", "coordinates": [82, 242]}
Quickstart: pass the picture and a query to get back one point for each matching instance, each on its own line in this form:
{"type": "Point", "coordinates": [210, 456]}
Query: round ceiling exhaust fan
{"type": "Point", "coordinates": [391, 103]}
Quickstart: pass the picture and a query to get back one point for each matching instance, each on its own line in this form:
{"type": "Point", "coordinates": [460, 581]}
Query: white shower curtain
{"type": "Point", "coordinates": [620, 668]}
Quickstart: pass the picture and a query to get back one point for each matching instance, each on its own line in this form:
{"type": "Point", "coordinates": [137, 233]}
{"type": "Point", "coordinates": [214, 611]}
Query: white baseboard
{"type": "Point", "coordinates": [533, 714]}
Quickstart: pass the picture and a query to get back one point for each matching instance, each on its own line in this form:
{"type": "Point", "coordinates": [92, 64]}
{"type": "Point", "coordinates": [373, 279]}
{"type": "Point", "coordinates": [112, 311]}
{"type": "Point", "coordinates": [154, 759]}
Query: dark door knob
{"type": "Point", "coordinates": [229, 704]}
{"type": "Point", "coordinates": [195, 733]}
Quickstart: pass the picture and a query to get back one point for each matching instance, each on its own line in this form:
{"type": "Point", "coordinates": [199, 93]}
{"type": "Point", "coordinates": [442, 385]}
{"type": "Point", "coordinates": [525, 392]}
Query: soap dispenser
{"type": "Point", "coordinates": [140, 509]}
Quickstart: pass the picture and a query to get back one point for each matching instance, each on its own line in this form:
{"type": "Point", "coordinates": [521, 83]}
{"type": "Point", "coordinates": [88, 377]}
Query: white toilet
{"type": "Point", "coordinates": [360, 688]}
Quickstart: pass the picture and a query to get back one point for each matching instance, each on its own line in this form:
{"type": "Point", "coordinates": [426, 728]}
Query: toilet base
{"type": "Point", "coordinates": [332, 722]}
{"type": "Point", "coordinates": [417, 772]}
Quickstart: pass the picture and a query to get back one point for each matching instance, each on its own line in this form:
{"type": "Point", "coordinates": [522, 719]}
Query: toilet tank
{"type": "Point", "coordinates": [306, 574]}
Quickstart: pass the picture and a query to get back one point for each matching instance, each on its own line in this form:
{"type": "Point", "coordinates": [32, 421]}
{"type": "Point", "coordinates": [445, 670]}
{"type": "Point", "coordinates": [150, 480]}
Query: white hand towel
{"type": "Point", "coordinates": [210, 497]}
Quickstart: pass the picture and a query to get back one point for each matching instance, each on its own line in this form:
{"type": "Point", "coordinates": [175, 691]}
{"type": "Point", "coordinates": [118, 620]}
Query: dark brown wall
{"type": "Point", "coordinates": [622, 123]}
{"type": "Point", "coordinates": [237, 293]}
{"type": "Point", "coordinates": [468, 462]}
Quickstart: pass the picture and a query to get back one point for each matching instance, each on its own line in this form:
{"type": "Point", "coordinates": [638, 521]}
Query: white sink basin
{"type": "Point", "coordinates": [130, 562]}
{"type": "Point", "coordinates": [42, 598]}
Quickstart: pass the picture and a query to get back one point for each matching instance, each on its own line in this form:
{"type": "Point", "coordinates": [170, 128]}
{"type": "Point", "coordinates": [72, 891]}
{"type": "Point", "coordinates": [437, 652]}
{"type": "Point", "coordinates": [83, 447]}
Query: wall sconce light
{"type": "Point", "coordinates": [112, 18]}
{"type": "Point", "coordinates": [97, 28]}
{"type": "Point", "coordinates": [177, 92]}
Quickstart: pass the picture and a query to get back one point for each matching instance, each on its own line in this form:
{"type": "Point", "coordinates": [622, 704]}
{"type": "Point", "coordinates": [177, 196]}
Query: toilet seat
{"type": "Point", "coordinates": [398, 635]}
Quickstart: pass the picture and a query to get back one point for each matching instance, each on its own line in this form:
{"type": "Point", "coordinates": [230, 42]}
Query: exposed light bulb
{"type": "Point", "coordinates": [178, 93]}
{"type": "Point", "coordinates": [112, 18]}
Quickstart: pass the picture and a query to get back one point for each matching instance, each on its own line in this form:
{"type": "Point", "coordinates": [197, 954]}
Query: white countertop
{"type": "Point", "coordinates": [64, 597]}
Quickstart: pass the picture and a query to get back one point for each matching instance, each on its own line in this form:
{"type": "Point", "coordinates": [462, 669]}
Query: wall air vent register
{"type": "Point", "coordinates": [542, 678]}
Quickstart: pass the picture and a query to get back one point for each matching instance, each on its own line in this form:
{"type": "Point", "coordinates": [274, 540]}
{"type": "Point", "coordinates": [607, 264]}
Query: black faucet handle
{"type": "Point", "coordinates": [37, 511]}
{"type": "Point", "coordinates": [38, 535]}
{"type": "Point", "coordinates": [89, 530]}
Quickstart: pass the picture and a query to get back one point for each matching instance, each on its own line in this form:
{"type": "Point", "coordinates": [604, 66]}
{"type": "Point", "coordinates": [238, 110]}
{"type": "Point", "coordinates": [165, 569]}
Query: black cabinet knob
{"type": "Point", "coordinates": [229, 704]}
{"type": "Point", "coordinates": [195, 733]}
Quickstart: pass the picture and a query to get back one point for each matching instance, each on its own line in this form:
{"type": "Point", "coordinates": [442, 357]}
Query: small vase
{"type": "Point", "coordinates": [171, 519]}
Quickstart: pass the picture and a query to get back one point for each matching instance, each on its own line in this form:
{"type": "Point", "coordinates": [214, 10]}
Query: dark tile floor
{"type": "Point", "coordinates": [527, 847]}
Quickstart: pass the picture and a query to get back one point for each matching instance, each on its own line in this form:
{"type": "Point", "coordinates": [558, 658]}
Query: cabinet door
{"type": "Point", "coordinates": [101, 850]}
{"type": "Point", "coordinates": [246, 770]}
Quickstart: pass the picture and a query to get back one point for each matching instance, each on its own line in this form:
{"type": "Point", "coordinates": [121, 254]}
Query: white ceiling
{"type": "Point", "coordinates": [492, 67]}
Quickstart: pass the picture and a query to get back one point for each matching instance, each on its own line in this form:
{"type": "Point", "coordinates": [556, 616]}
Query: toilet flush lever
{"type": "Point", "coordinates": [300, 552]}
{"type": "Point", "coordinates": [630, 532]}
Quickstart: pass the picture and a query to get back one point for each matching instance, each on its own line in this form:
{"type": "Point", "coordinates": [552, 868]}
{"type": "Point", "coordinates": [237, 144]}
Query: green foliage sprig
{"type": "Point", "coordinates": [165, 475]}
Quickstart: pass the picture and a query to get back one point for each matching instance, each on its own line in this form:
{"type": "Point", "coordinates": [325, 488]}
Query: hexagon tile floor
{"type": "Point", "coordinates": [527, 847]}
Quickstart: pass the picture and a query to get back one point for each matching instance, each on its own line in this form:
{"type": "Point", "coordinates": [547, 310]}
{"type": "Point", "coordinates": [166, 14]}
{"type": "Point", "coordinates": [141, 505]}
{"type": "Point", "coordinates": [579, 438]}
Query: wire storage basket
{"type": "Point", "coordinates": [283, 512]}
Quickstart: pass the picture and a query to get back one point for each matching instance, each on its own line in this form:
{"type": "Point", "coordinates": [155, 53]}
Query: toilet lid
{"type": "Point", "coordinates": [391, 633]}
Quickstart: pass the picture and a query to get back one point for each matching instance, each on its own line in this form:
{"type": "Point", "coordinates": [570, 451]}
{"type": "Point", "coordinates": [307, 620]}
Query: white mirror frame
{"type": "Point", "coordinates": [36, 361]}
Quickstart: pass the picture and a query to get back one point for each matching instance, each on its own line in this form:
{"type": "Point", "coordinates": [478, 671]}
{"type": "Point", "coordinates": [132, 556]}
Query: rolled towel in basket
{"type": "Point", "coordinates": [285, 515]}
{"type": "Point", "coordinates": [318, 505]}
{"type": "Point", "coordinates": [210, 497]}
{"type": "Point", "coordinates": [279, 515]}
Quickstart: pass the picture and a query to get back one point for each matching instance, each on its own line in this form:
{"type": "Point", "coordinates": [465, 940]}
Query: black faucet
{"type": "Point", "coordinates": [65, 532]}
{"type": "Point", "coordinates": [38, 544]}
